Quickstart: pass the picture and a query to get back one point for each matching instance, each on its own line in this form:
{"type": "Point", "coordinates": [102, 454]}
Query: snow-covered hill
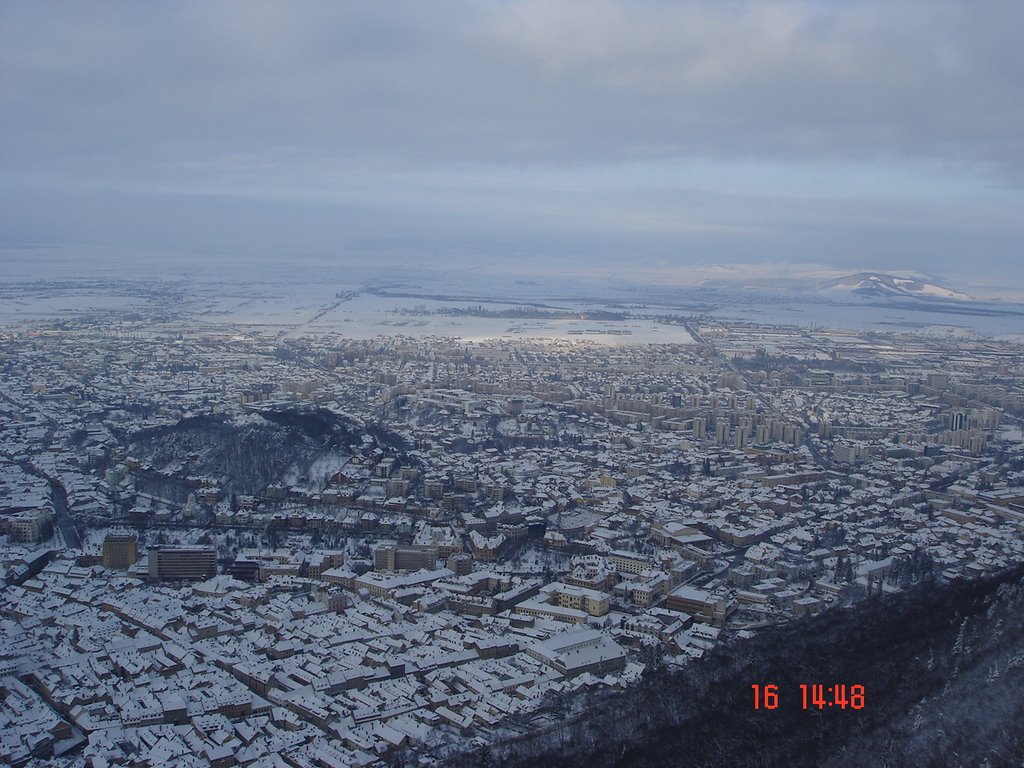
{"type": "Point", "coordinates": [877, 284]}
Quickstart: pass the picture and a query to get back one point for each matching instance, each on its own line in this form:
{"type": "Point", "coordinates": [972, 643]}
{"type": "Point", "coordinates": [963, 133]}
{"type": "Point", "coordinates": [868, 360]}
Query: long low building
{"type": "Point", "coordinates": [579, 650]}
{"type": "Point", "coordinates": [386, 585]}
{"type": "Point", "coordinates": [549, 611]}
{"type": "Point", "coordinates": [590, 601]}
{"type": "Point", "coordinates": [182, 563]}
{"type": "Point", "coordinates": [698, 602]}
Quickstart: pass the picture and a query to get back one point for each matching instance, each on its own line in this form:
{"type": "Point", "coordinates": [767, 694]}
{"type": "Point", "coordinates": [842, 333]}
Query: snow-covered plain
{"type": "Point", "coordinates": [300, 308]}
{"type": "Point", "coordinates": [466, 306]}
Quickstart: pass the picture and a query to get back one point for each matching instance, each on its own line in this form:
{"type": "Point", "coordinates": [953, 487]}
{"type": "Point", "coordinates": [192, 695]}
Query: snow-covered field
{"type": "Point", "coordinates": [301, 308]}
{"type": "Point", "coordinates": [36, 305]}
{"type": "Point", "coordinates": [465, 307]}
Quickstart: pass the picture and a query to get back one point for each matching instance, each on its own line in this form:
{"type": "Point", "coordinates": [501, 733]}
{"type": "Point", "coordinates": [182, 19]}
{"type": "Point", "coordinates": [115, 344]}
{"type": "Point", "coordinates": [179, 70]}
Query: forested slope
{"type": "Point", "coordinates": [942, 667]}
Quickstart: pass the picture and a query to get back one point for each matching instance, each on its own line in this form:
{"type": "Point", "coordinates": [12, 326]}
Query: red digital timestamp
{"type": "Point", "coordinates": [839, 696]}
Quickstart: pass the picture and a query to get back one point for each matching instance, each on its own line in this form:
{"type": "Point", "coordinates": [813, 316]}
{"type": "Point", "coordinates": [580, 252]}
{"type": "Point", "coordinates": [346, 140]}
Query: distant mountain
{"type": "Point", "coordinates": [880, 285]}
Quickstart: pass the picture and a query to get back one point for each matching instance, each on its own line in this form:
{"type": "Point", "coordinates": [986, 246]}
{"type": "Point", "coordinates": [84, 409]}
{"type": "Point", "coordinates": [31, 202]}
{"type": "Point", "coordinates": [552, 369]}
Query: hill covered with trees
{"type": "Point", "coordinates": [942, 668]}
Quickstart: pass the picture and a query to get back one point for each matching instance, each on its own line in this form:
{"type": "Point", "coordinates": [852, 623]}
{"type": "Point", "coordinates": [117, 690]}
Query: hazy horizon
{"type": "Point", "coordinates": [606, 140]}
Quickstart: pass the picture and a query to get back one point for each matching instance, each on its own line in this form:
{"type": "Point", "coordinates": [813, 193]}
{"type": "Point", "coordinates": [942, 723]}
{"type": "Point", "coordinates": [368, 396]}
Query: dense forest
{"type": "Point", "coordinates": [246, 456]}
{"type": "Point", "coordinates": [942, 668]}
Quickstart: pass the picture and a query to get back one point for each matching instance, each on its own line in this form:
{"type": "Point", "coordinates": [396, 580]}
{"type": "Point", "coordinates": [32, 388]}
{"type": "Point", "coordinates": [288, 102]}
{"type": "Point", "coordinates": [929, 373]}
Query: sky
{"type": "Point", "coordinates": [664, 138]}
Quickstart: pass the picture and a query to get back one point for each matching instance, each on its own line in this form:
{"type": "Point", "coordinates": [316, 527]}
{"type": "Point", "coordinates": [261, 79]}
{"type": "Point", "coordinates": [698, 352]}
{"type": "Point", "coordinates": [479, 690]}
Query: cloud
{"type": "Point", "coordinates": [686, 126]}
{"type": "Point", "coordinates": [592, 81]}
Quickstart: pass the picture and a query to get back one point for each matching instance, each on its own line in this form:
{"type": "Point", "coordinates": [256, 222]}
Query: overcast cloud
{"type": "Point", "coordinates": [860, 134]}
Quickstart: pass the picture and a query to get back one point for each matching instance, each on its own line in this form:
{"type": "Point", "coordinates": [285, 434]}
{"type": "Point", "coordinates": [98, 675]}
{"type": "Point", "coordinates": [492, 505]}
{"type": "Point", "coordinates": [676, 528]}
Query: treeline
{"type": "Point", "coordinates": [942, 669]}
{"type": "Point", "coordinates": [249, 457]}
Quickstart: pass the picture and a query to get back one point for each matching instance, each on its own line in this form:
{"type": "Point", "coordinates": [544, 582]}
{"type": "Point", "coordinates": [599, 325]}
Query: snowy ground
{"type": "Point", "coordinates": [296, 309]}
{"type": "Point", "coordinates": [441, 305]}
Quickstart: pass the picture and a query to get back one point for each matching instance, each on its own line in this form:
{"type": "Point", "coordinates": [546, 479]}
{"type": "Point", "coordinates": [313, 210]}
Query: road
{"type": "Point", "coordinates": [64, 521]}
{"type": "Point", "coordinates": [57, 493]}
{"type": "Point", "coordinates": [818, 457]}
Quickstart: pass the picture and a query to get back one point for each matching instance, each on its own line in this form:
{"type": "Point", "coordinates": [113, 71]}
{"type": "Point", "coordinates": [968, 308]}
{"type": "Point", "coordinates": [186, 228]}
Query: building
{"type": "Point", "coordinates": [698, 602]}
{"type": "Point", "coordinates": [392, 558]}
{"type": "Point", "coordinates": [542, 609]}
{"type": "Point", "coordinates": [577, 651]}
{"type": "Point", "coordinates": [245, 569]}
{"type": "Point", "coordinates": [379, 585]}
{"type": "Point", "coordinates": [31, 526]}
{"type": "Point", "coordinates": [678, 536]}
{"type": "Point", "coordinates": [441, 538]}
{"type": "Point", "coordinates": [319, 562]}
{"type": "Point", "coordinates": [120, 551]}
{"type": "Point", "coordinates": [486, 548]}
{"type": "Point", "coordinates": [182, 563]}
{"type": "Point", "coordinates": [821, 378]}
{"type": "Point", "coordinates": [958, 420]}
{"type": "Point", "coordinates": [629, 562]}
{"type": "Point", "coordinates": [460, 563]}
{"type": "Point", "coordinates": [590, 601]}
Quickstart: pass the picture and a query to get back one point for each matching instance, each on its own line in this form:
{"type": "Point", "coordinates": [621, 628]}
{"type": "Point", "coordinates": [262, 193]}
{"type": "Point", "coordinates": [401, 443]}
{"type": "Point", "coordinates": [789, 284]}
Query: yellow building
{"type": "Point", "coordinates": [120, 551]}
